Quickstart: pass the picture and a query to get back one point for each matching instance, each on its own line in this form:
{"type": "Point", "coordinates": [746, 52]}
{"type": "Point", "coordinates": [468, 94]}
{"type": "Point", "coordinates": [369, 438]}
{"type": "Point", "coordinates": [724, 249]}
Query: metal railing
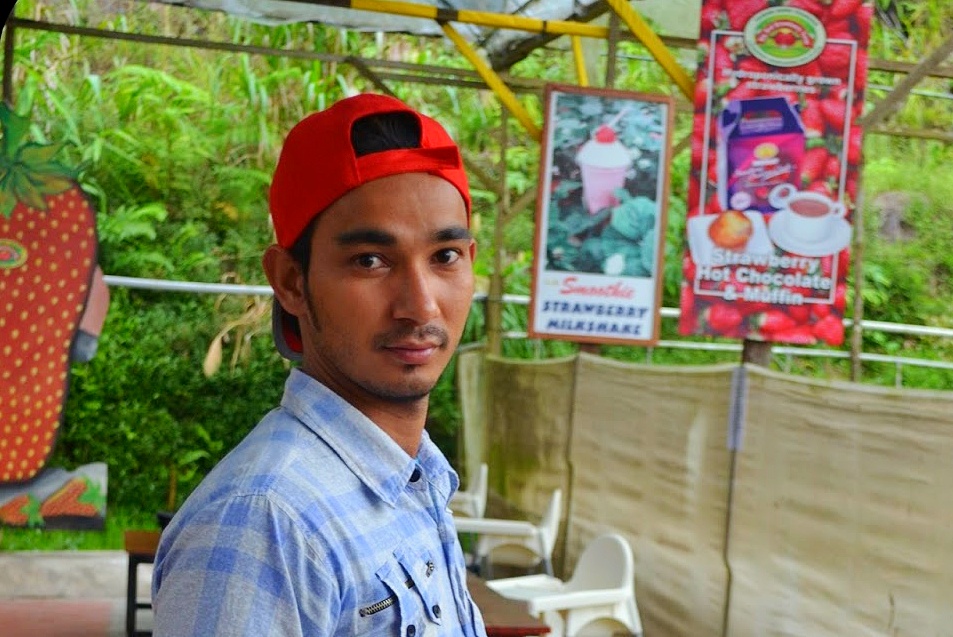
{"type": "Point", "coordinates": [786, 353]}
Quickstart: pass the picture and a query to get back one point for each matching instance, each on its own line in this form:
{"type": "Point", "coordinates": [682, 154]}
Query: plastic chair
{"type": "Point", "coordinates": [515, 542]}
{"type": "Point", "coordinates": [472, 501]}
{"type": "Point", "coordinates": [598, 599]}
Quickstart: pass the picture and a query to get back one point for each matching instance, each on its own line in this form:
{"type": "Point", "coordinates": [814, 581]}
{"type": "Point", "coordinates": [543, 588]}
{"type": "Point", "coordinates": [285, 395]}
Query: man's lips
{"type": "Point", "coordinates": [413, 353]}
{"type": "Point", "coordinates": [414, 346]}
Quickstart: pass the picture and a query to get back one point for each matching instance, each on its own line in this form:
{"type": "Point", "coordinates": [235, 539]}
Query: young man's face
{"type": "Point", "coordinates": [388, 289]}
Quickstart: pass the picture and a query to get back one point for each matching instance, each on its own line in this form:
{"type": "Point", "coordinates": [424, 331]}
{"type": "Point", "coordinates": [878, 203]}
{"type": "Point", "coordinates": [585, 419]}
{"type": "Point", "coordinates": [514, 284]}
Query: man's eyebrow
{"type": "Point", "coordinates": [454, 233]}
{"type": "Point", "coordinates": [365, 235]}
{"type": "Point", "coordinates": [380, 237]}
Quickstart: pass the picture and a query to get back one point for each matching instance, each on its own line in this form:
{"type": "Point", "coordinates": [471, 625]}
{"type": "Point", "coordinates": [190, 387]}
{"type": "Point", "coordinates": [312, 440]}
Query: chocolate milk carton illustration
{"type": "Point", "coordinates": [760, 146]}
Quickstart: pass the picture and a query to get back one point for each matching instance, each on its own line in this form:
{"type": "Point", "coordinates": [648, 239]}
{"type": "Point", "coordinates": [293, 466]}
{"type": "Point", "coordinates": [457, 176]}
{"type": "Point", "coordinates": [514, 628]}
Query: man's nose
{"type": "Point", "coordinates": [416, 296]}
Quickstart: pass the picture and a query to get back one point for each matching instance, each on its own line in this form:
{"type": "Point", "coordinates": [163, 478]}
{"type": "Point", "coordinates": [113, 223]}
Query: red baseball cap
{"type": "Point", "coordinates": [318, 165]}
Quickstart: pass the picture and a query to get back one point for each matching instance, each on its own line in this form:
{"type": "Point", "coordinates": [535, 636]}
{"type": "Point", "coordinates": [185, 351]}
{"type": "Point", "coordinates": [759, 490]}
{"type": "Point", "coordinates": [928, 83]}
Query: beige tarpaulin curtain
{"type": "Point", "coordinates": [837, 521]}
{"type": "Point", "coordinates": [842, 521]}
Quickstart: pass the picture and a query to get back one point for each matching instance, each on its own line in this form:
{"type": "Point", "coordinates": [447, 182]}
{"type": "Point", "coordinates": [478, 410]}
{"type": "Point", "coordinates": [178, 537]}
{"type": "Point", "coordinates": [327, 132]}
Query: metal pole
{"type": "Point", "coordinates": [612, 48]}
{"type": "Point", "coordinates": [857, 257]}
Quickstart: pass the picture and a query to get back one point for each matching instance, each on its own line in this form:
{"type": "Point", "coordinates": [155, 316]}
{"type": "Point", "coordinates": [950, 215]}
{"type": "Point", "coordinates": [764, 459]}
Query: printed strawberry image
{"type": "Point", "coordinates": [845, 8]}
{"type": "Point", "coordinates": [21, 510]}
{"type": "Point", "coordinates": [723, 318]}
{"type": "Point", "coordinates": [80, 497]}
{"type": "Point", "coordinates": [813, 165]}
{"type": "Point", "coordinates": [813, 120]}
{"type": "Point", "coordinates": [835, 113]}
{"type": "Point", "coordinates": [740, 11]}
{"type": "Point", "coordinates": [830, 329]}
{"type": "Point", "coordinates": [785, 38]}
{"type": "Point", "coordinates": [48, 256]}
{"type": "Point", "coordinates": [835, 60]}
{"type": "Point", "coordinates": [811, 6]}
{"type": "Point", "coordinates": [772, 321]}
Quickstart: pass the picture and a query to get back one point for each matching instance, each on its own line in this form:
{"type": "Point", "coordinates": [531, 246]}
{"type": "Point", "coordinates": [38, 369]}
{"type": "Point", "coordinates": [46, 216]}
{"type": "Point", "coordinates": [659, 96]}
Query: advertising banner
{"type": "Point", "coordinates": [601, 216]}
{"type": "Point", "coordinates": [776, 151]}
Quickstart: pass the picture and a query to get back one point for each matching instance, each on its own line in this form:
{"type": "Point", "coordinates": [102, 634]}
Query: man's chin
{"type": "Point", "coordinates": [402, 393]}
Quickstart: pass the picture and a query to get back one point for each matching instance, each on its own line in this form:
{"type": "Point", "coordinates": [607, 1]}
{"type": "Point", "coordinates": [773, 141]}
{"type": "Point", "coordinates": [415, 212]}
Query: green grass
{"type": "Point", "coordinates": [109, 539]}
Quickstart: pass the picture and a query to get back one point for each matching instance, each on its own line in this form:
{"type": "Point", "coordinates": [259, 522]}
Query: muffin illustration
{"type": "Point", "coordinates": [731, 230]}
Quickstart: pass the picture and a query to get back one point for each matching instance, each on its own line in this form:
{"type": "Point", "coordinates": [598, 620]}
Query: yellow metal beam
{"type": "Point", "coordinates": [641, 30]}
{"type": "Point", "coordinates": [580, 61]}
{"type": "Point", "coordinates": [493, 81]}
{"type": "Point", "coordinates": [466, 16]}
{"type": "Point", "coordinates": [632, 19]}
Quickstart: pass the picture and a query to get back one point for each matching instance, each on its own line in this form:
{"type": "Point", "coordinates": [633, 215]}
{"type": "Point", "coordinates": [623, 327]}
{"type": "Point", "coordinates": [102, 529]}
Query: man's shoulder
{"type": "Point", "coordinates": [280, 460]}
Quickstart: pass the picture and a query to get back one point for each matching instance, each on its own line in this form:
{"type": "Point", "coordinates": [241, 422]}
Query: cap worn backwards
{"type": "Point", "coordinates": [318, 165]}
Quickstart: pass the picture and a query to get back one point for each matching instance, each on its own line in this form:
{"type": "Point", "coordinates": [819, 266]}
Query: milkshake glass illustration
{"type": "Point", "coordinates": [604, 162]}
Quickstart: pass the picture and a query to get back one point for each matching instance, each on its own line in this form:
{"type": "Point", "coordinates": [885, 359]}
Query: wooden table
{"type": "Point", "coordinates": [503, 617]}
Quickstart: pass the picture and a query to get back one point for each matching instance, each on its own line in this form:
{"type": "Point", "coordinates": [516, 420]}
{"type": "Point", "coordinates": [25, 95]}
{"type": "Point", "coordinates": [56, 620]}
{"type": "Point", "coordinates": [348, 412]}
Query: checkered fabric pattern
{"type": "Point", "coordinates": [316, 524]}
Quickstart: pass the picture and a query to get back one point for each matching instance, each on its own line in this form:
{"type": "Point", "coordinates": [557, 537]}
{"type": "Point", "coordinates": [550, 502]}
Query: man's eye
{"type": "Point", "coordinates": [447, 256]}
{"type": "Point", "coordinates": [369, 261]}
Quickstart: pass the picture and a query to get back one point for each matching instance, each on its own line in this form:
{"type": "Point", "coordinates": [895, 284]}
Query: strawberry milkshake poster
{"type": "Point", "coordinates": [601, 216]}
{"type": "Point", "coordinates": [776, 152]}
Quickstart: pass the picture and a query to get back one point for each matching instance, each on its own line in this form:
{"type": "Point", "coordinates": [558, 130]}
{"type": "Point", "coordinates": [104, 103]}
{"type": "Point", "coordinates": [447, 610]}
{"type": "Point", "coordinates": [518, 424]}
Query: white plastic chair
{"type": "Point", "coordinates": [598, 599]}
{"type": "Point", "coordinates": [472, 501]}
{"type": "Point", "coordinates": [515, 542]}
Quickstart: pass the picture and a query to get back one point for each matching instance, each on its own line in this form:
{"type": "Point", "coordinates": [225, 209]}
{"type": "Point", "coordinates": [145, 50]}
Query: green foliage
{"type": "Point", "coordinates": [907, 280]}
{"type": "Point", "coordinates": [118, 521]}
{"type": "Point", "coordinates": [143, 404]}
{"type": "Point", "coordinates": [176, 146]}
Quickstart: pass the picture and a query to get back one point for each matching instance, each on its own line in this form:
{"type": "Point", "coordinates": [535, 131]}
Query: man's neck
{"type": "Point", "coordinates": [403, 423]}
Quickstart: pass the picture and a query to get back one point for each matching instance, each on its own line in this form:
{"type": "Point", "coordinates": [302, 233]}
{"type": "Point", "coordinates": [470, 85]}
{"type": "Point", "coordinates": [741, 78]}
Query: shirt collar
{"type": "Point", "coordinates": [373, 456]}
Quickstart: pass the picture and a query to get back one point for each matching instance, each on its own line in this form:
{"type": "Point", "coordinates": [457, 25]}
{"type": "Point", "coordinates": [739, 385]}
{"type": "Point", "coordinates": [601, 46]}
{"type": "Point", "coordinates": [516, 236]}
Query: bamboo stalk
{"type": "Point", "coordinates": [8, 42]}
{"type": "Point", "coordinates": [494, 302]}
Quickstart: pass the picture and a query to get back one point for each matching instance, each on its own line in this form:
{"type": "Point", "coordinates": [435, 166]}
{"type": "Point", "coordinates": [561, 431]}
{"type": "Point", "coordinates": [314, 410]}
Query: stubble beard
{"type": "Point", "coordinates": [388, 393]}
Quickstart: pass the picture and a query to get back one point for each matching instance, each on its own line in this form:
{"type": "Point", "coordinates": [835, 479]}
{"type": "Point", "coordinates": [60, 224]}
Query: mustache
{"type": "Point", "coordinates": [412, 332]}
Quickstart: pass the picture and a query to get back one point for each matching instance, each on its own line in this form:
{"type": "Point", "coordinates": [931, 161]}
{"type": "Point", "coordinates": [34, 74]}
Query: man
{"type": "Point", "coordinates": [331, 517]}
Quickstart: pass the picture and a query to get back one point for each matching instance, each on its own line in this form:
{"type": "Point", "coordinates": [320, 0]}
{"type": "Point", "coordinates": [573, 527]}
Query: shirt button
{"type": "Point", "coordinates": [411, 630]}
{"type": "Point", "coordinates": [436, 611]}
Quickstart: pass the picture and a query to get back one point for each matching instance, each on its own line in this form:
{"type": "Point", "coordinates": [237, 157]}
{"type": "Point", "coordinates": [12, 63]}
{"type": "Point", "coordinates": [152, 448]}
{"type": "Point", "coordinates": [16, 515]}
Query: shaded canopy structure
{"type": "Point", "coordinates": [496, 34]}
{"type": "Point", "coordinates": [678, 18]}
{"type": "Point", "coordinates": [493, 35]}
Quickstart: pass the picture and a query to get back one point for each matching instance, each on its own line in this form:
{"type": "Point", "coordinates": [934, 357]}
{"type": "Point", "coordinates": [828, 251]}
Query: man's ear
{"type": "Point", "coordinates": [286, 279]}
{"type": "Point", "coordinates": [473, 251]}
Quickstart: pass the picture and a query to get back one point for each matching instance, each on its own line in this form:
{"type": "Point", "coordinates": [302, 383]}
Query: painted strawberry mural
{"type": "Point", "coordinates": [47, 261]}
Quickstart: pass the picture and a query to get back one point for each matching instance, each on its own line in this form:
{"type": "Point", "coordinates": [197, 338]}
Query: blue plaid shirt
{"type": "Point", "coordinates": [316, 524]}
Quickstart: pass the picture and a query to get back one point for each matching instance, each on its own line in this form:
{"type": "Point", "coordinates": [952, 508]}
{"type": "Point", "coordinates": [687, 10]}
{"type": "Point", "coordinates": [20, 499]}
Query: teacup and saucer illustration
{"type": "Point", "coordinates": [808, 223]}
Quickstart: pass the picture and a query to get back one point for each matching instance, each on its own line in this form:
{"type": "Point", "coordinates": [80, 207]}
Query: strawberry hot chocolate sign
{"type": "Point", "coordinates": [775, 159]}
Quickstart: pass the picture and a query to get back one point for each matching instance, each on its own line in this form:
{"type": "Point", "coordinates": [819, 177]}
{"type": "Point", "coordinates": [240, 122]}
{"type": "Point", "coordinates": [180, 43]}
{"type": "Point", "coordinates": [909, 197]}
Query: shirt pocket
{"type": "Point", "coordinates": [409, 604]}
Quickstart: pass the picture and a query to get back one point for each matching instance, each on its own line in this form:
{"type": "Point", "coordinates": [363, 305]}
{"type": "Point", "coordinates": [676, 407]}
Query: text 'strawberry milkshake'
{"type": "Point", "coordinates": [604, 162]}
{"type": "Point", "coordinates": [760, 146]}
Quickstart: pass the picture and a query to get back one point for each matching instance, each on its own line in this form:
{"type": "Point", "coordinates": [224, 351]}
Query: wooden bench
{"type": "Point", "coordinates": [141, 548]}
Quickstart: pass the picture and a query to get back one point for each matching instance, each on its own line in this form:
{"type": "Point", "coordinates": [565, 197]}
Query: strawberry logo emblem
{"type": "Point", "coordinates": [47, 260]}
{"type": "Point", "coordinates": [785, 36]}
